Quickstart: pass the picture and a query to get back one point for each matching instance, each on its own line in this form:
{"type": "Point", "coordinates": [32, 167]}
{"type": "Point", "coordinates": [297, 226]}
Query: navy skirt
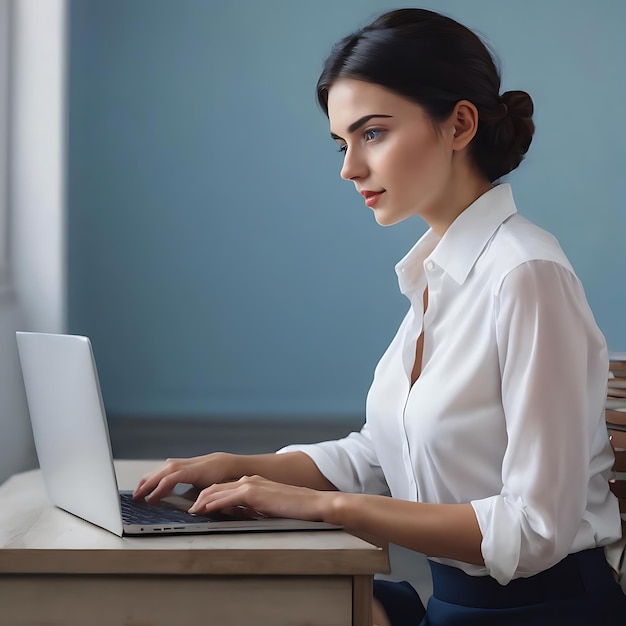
{"type": "Point", "coordinates": [578, 591]}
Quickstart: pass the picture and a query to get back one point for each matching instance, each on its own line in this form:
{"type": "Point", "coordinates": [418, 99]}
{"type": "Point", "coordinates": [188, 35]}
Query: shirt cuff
{"type": "Point", "coordinates": [501, 542]}
{"type": "Point", "coordinates": [337, 466]}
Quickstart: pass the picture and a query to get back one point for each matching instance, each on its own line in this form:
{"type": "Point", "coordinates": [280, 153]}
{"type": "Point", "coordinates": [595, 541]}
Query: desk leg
{"type": "Point", "coordinates": [362, 587]}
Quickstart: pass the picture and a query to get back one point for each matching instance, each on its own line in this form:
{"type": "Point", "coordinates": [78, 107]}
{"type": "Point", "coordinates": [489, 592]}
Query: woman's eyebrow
{"type": "Point", "coordinates": [356, 125]}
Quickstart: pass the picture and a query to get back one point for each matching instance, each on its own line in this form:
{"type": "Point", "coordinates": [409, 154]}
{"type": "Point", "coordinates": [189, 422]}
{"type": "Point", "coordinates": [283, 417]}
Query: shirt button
{"type": "Point", "coordinates": [430, 266]}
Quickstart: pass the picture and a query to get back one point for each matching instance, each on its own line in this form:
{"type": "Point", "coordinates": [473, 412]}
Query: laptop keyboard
{"type": "Point", "coordinates": [138, 512]}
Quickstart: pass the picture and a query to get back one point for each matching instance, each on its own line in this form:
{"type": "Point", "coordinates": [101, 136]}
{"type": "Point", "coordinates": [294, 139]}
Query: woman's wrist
{"type": "Point", "coordinates": [293, 468]}
{"type": "Point", "coordinates": [338, 508]}
{"type": "Point", "coordinates": [239, 465]}
{"type": "Point", "coordinates": [233, 466]}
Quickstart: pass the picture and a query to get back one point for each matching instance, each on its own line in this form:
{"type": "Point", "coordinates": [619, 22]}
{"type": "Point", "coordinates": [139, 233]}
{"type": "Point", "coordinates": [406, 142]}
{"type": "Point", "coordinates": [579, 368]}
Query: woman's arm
{"type": "Point", "coordinates": [349, 464]}
{"type": "Point", "coordinates": [289, 468]}
{"type": "Point", "coordinates": [448, 531]}
{"type": "Point", "coordinates": [441, 530]}
{"type": "Point", "coordinates": [554, 367]}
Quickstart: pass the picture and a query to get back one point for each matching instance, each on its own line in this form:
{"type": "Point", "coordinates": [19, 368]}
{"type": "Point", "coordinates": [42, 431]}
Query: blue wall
{"type": "Point", "coordinates": [215, 258]}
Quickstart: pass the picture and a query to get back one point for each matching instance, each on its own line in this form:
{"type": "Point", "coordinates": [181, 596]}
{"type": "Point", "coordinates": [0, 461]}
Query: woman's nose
{"type": "Point", "coordinates": [353, 166]}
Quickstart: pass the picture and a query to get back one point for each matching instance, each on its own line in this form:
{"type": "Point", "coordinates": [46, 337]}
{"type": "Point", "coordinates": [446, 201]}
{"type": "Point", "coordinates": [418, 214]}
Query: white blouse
{"type": "Point", "coordinates": [508, 411]}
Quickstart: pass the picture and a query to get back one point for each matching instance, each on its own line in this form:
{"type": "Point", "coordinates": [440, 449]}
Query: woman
{"type": "Point", "coordinates": [485, 417]}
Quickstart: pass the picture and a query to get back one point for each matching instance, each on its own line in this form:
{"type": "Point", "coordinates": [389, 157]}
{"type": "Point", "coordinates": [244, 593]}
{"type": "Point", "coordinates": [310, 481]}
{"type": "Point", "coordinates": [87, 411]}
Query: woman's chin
{"type": "Point", "coordinates": [388, 218]}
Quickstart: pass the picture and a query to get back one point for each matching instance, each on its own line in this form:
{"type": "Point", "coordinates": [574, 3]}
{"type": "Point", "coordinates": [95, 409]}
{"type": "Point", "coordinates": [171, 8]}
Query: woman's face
{"type": "Point", "coordinates": [398, 159]}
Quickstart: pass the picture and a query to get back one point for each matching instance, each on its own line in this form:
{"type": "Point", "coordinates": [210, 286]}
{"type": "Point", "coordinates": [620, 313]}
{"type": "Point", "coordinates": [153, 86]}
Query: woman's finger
{"type": "Point", "coordinates": [150, 482]}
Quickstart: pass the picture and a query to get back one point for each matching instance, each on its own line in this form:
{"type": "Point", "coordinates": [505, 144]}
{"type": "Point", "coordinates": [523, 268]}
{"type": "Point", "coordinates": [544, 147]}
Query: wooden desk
{"type": "Point", "coordinates": [56, 569]}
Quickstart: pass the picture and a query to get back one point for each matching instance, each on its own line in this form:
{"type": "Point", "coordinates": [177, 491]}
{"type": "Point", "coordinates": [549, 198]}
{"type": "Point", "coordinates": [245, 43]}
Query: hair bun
{"type": "Point", "coordinates": [518, 104]}
{"type": "Point", "coordinates": [504, 137]}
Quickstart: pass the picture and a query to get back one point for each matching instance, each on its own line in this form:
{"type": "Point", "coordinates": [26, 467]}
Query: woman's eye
{"type": "Point", "coordinates": [372, 134]}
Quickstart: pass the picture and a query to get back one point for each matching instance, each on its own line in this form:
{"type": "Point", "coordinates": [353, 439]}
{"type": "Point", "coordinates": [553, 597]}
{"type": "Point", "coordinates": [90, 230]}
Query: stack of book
{"type": "Point", "coordinates": [616, 391]}
{"type": "Point", "coordinates": [615, 413]}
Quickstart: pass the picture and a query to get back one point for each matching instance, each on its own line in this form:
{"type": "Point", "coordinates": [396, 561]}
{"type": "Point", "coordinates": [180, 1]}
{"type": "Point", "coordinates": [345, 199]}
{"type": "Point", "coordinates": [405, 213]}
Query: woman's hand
{"type": "Point", "coordinates": [292, 468]}
{"type": "Point", "coordinates": [199, 471]}
{"type": "Point", "coordinates": [268, 498]}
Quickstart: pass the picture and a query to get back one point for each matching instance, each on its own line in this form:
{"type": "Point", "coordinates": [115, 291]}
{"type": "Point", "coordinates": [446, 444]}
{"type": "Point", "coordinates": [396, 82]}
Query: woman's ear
{"type": "Point", "coordinates": [464, 120]}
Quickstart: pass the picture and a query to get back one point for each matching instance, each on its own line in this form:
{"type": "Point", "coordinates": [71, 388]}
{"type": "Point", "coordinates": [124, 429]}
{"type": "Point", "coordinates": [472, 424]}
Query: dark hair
{"type": "Point", "coordinates": [434, 61]}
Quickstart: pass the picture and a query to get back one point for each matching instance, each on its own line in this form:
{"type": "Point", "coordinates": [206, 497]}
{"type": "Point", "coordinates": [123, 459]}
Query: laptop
{"type": "Point", "coordinates": [74, 449]}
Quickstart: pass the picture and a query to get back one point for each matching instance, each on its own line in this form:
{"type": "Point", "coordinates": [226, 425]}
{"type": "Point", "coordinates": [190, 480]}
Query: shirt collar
{"type": "Point", "coordinates": [458, 250]}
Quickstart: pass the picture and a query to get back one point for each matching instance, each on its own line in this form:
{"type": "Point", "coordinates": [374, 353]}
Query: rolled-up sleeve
{"type": "Point", "coordinates": [350, 463]}
{"type": "Point", "coordinates": [553, 362]}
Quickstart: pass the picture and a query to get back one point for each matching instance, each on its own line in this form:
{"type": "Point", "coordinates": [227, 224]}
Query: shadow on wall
{"type": "Point", "coordinates": [17, 451]}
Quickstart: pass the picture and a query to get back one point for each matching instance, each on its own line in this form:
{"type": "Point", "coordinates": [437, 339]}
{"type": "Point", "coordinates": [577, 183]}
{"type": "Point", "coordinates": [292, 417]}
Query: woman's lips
{"type": "Point", "coordinates": [371, 197]}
